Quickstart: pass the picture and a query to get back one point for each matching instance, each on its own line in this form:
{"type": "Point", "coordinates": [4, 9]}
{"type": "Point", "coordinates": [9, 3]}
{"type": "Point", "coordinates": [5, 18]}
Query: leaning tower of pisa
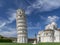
{"type": "Point", "coordinates": [21, 26]}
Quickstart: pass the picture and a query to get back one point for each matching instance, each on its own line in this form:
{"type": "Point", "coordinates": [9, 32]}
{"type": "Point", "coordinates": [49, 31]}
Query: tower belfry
{"type": "Point", "coordinates": [21, 26]}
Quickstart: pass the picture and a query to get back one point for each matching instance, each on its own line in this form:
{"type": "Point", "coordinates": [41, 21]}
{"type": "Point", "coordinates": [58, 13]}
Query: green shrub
{"type": "Point", "coordinates": [5, 40]}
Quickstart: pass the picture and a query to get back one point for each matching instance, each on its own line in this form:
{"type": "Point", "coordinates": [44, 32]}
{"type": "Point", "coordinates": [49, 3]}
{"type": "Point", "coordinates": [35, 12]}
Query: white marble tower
{"type": "Point", "coordinates": [21, 26]}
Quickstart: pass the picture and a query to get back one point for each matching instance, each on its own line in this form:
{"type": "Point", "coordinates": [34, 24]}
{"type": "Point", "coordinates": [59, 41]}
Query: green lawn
{"type": "Point", "coordinates": [48, 44]}
{"type": "Point", "coordinates": [13, 44]}
{"type": "Point", "coordinates": [30, 44]}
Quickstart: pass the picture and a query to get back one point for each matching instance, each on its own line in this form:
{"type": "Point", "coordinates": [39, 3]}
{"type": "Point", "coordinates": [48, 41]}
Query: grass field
{"type": "Point", "coordinates": [48, 44]}
{"type": "Point", "coordinates": [13, 44]}
{"type": "Point", "coordinates": [30, 44]}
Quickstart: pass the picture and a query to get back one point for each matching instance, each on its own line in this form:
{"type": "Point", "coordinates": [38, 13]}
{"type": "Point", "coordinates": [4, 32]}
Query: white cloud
{"type": "Point", "coordinates": [12, 14]}
{"type": "Point", "coordinates": [46, 5]}
{"type": "Point", "coordinates": [43, 5]}
{"type": "Point", "coordinates": [4, 22]}
{"type": "Point", "coordinates": [10, 32]}
{"type": "Point", "coordinates": [29, 10]}
{"type": "Point", "coordinates": [52, 18]}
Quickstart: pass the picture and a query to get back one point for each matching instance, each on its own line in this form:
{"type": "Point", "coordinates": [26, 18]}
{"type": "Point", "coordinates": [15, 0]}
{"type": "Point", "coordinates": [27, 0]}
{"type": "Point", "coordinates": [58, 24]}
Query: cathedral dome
{"type": "Point", "coordinates": [51, 26]}
{"type": "Point", "coordinates": [47, 27]}
{"type": "Point", "coordinates": [54, 25]}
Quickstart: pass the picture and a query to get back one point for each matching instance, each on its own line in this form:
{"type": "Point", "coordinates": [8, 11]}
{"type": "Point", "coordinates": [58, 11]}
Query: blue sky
{"type": "Point", "coordinates": [39, 13]}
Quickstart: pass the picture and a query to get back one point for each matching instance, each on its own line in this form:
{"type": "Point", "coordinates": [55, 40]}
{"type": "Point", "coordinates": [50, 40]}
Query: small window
{"type": "Point", "coordinates": [46, 34]}
{"type": "Point", "coordinates": [20, 12]}
{"type": "Point", "coordinates": [20, 15]}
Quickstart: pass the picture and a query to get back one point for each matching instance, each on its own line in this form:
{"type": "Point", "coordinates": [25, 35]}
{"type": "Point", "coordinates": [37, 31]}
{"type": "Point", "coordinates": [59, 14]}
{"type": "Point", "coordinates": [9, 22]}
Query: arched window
{"type": "Point", "coordinates": [20, 15]}
{"type": "Point", "coordinates": [39, 39]}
